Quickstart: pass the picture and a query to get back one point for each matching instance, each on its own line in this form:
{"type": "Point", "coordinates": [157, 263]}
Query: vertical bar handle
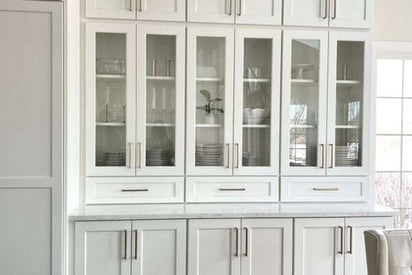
{"type": "Point", "coordinates": [142, 4]}
{"type": "Point", "coordinates": [130, 5]}
{"type": "Point", "coordinates": [237, 155]}
{"type": "Point", "coordinates": [350, 240]}
{"type": "Point", "coordinates": [324, 9]}
{"type": "Point", "coordinates": [332, 155]}
{"type": "Point", "coordinates": [322, 155]}
{"type": "Point", "coordinates": [129, 155]}
{"type": "Point", "coordinates": [246, 242]}
{"type": "Point", "coordinates": [334, 9]}
{"type": "Point", "coordinates": [237, 241]}
{"type": "Point", "coordinates": [125, 245]}
{"type": "Point", "coordinates": [140, 155]}
{"type": "Point", "coordinates": [239, 7]}
{"type": "Point", "coordinates": [227, 160]}
{"type": "Point", "coordinates": [340, 229]}
{"type": "Point", "coordinates": [136, 235]}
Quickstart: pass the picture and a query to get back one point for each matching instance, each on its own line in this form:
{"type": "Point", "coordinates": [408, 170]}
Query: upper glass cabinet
{"type": "Point", "coordinates": [134, 130]}
{"type": "Point", "coordinates": [210, 106]}
{"type": "Point", "coordinates": [164, 10]}
{"type": "Point", "coordinates": [257, 94]}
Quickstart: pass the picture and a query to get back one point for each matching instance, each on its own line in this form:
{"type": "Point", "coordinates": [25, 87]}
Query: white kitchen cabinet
{"type": "Point", "coordinates": [328, 13]}
{"type": "Point", "coordinates": [130, 248]}
{"type": "Point", "coordinates": [233, 133]}
{"type": "Point", "coordinates": [333, 245]}
{"type": "Point", "coordinates": [103, 248]}
{"type": "Point", "coordinates": [325, 126]}
{"type": "Point", "coordinates": [165, 10]}
{"type": "Point", "coordinates": [234, 246]}
{"type": "Point", "coordinates": [263, 12]}
{"type": "Point", "coordinates": [134, 129]}
{"type": "Point", "coordinates": [159, 247]}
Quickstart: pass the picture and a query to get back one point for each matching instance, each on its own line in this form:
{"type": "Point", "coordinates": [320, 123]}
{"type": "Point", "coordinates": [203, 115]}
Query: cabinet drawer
{"type": "Point", "coordinates": [306, 189]}
{"type": "Point", "coordinates": [134, 190]}
{"type": "Point", "coordinates": [233, 189]}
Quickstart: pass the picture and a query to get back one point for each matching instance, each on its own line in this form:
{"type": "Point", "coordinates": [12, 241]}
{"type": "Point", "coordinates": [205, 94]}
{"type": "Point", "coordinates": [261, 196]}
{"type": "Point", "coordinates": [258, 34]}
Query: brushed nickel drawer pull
{"type": "Point", "coordinates": [232, 189]}
{"type": "Point", "coordinates": [325, 189]}
{"type": "Point", "coordinates": [136, 190]}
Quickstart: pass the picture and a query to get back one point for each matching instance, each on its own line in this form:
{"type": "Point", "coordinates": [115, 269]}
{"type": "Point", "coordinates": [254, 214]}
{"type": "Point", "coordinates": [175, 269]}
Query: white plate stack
{"type": "Point", "coordinates": [346, 156]}
{"type": "Point", "coordinates": [209, 155]}
{"type": "Point", "coordinates": [158, 157]}
{"type": "Point", "coordinates": [113, 159]}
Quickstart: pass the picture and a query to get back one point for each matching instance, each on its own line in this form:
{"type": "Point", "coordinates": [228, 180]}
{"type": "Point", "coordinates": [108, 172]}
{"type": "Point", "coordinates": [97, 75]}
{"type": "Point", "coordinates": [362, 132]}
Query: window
{"type": "Point", "coordinates": [394, 136]}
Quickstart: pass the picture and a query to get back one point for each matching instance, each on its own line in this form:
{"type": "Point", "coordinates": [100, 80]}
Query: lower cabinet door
{"type": "Point", "coordinates": [355, 254]}
{"type": "Point", "coordinates": [319, 246]}
{"type": "Point", "coordinates": [214, 247]}
{"type": "Point", "coordinates": [267, 247]}
{"type": "Point", "coordinates": [159, 247]}
{"type": "Point", "coordinates": [102, 248]}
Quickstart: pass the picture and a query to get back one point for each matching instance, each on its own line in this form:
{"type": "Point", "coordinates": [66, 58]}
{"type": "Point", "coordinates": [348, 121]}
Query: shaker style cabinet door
{"type": "Point", "coordinates": [351, 13]}
{"type": "Point", "coordinates": [110, 99]}
{"type": "Point", "coordinates": [259, 12]}
{"type": "Point", "coordinates": [348, 103]}
{"type": "Point", "coordinates": [306, 12]}
{"type": "Point", "coordinates": [159, 247]}
{"type": "Point", "coordinates": [319, 246]}
{"type": "Point", "coordinates": [160, 100]}
{"type": "Point", "coordinates": [267, 247]}
{"type": "Point", "coordinates": [102, 248]}
{"type": "Point", "coordinates": [164, 10]}
{"type": "Point", "coordinates": [209, 101]}
{"type": "Point", "coordinates": [304, 99]}
{"type": "Point", "coordinates": [214, 247]}
{"type": "Point", "coordinates": [257, 102]}
{"type": "Point", "coordinates": [216, 11]}
{"type": "Point", "coordinates": [116, 9]}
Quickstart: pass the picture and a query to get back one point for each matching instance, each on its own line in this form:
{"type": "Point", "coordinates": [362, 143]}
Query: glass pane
{"type": "Point", "coordinates": [160, 100]}
{"type": "Point", "coordinates": [407, 153]}
{"type": "Point", "coordinates": [112, 4]}
{"type": "Point", "coordinates": [388, 189]}
{"type": "Point", "coordinates": [407, 78]}
{"type": "Point", "coordinates": [388, 153]}
{"type": "Point", "coordinates": [210, 96]}
{"type": "Point", "coordinates": [349, 103]}
{"type": "Point", "coordinates": [303, 111]}
{"type": "Point", "coordinates": [407, 116]}
{"type": "Point", "coordinates": [406, 196]}
{"type": "Point", "coordinates": [389, 77]}
{"type": "Point", "coordinates": [257, 102]}
{"type": "Point", "coordinates": [110, 99]}
{"type": "Point", "coordinates": [388, 116]}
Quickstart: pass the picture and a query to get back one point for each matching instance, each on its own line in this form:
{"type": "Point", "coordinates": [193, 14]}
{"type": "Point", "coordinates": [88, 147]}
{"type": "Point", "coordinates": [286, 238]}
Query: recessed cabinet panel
{"type": "Point", "coordinates": [306, 13]}
{"type": "Point", "coordinates": [165, 10]}
{"type": "Point", "coordinates": [110, 99]}
{"type": "Point", "coordinates": [121, 9]}
{"type": "Point", "coordinates": [304, 106]}
{"type": "Point", "coordinates": [351, 13]}
{"type": "Point", "coordinates": [267, 12]}
{"type": "Point", "coordinates": [210, 105]}
{"type": "Point", "coordinates": [217, 11]}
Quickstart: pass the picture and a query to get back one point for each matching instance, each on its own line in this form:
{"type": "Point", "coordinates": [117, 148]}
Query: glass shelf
{"type": "Point", "coordinates": [209, 79]}
{"type": "Point", "coordinates": [110, 124]}
{"type": "Point", "coordinates": [209, 125]}
{"type": "Point", "coordinates": [111, 76]}
{"type": "Point", "coordinates": [256, 80]}
{"type": "Point", "coordinates": [256, 126]}
{"type": "Point", "coordinates": [160, 78]}
{"type": "Point", "coordinates": [160, 124]}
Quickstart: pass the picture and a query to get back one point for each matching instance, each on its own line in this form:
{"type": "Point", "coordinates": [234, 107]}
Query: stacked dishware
{"type": "Point", "coordinates": [113, 159]}
{"type": "Point", "coordinates": [253, 116]}
{"type": "Point", "coordinates": [251, 160]}
{"type": "Point", "coordinates": [209, 155]}
{"type": "Point", "coordinates": [346, 156]}
{"type": "Point", "coordinates": [158, 157]}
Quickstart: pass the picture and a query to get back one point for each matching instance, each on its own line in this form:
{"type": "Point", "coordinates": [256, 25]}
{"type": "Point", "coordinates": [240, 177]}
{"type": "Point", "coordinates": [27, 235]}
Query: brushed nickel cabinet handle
{"type": "Point", "coordinates": [240, 8]}
{"type": "Point", "coordinates": [325, 189]}
{"type": "Point", "coordinates": [237, 155]}
{"type": "Point", "coordinates": [246, 242]}
{"type": "Point", "coordinates": [334, 9]}
{"type": "Point", "coordinates": [125, 245]}
{"type": "Point", "coordinates": [237, 242]}
{"type": "Point", "coordinates": [232, 189]}
{"type": "Point", "coordinates": [229, 7]}
{"type": "Point", "coordinates": [322, 155]}
{"type": "Point", "coordinates": [135, 244]}
{"type": "Point", "coordinates": [324, 12]}
{"type": "Point", "coordinates": [129, 155]}
{"type": "Point", "coordinates": [227, 165]}
{"type": "Point", "coordinates": [331, 147]}
{"type": "Point", "coordinates": [130, 5]}
{"type": "Point", "coordinates": [350, 240]}
{"type": "Point", "coordinates": [141, 5]}
{"type": "Point", "coordinates": [140, 155]}
{"type": "Point", "coordinates": [340, 251]}
{"type": "Point", "coordinates": [136, 190]}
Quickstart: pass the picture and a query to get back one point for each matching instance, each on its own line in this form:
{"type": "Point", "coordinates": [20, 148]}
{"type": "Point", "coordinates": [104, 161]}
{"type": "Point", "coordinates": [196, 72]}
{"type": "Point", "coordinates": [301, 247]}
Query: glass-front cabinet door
{"type": "Point", "coordinates": [161, 100]}
{"type": "Point", "coordinates": [110, 99]}
{"type": "Point", "coordinates": [256, 102]}
{"type": "Point", "coordinates": [210, 101]}
{"type": "Point", "coordinates": [349, 78]}
{"type": "Point", "coordinates": [304, 102]}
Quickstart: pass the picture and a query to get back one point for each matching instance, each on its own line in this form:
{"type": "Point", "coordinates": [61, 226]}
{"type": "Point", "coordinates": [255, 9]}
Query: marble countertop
{"type": "Point", "coordinates": [227, 210]}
